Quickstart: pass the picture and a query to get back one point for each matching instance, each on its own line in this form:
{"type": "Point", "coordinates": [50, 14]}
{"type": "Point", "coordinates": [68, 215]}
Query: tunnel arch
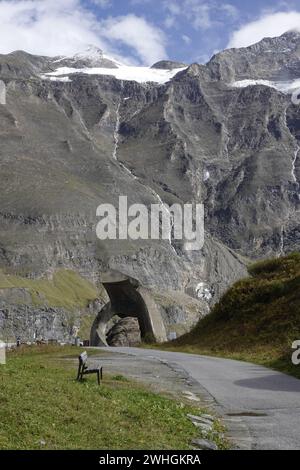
{"type": "Point", "coordinates": [128, 299]}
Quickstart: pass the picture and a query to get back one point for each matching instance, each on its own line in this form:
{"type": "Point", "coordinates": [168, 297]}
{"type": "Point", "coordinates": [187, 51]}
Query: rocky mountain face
{"type": "Point", "coordinates": [72, 140]}
{"type": "Point", "coordinates": [168, 65]}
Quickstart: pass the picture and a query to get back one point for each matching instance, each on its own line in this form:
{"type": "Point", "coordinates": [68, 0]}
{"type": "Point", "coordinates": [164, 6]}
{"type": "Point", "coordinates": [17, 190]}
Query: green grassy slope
{"type": "Point", "coordinates": [256, 320]}
{"type": "Point", "coordinates": [43, 407]}
{"type": "Point", "coordinates": [66, 289]}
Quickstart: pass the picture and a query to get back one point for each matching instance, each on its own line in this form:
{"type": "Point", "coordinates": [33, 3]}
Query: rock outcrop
{"type": "Point", "coordinates": [126, 332]}
{"type": "Point", "coordinates": [168, 65]}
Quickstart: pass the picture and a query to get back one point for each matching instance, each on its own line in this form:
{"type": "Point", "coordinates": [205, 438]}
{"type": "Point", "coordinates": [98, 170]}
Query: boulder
{"type": "Point", "coordinates": [126, 332]}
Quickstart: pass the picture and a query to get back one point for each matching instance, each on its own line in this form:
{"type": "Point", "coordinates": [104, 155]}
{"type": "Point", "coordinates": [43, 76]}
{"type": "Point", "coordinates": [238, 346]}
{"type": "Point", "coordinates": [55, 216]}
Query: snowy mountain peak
{"type": "Point", "coordinates": [90, 56]}
{"type": "Point", "coordinates": [91, 52]}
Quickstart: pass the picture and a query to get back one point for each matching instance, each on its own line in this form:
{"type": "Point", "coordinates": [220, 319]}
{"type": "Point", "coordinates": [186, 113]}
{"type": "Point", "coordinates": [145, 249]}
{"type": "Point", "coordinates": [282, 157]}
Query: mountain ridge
{"type": "Point", "coordinates": [193, 138]}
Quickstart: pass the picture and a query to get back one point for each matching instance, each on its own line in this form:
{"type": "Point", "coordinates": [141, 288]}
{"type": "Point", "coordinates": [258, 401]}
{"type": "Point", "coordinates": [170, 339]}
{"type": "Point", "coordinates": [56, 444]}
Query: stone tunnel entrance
{"type": "Point", "coordinates": [128, 299]}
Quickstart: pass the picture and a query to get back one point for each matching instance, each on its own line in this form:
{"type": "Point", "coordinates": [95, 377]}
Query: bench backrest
{"type": "Point", "coordinates": [83, 357]}
{"type": "Point", "coordinates": [82, 363]}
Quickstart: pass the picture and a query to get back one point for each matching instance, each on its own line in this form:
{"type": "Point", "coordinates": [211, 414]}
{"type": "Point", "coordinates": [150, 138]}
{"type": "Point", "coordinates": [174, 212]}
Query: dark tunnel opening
{"type": "Point", "coordinates": [125, 301]}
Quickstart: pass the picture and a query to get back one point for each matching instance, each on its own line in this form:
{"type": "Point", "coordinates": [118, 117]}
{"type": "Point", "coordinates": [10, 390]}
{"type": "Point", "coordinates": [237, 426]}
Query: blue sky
{"type": "Point", "coordinates": [142, 31]}
{"type": "Point", "coordinates": [194, 29]}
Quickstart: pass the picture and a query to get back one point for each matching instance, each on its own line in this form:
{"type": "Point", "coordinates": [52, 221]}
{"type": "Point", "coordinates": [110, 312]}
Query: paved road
{"type": "Point", "coordinates": [261, 407]}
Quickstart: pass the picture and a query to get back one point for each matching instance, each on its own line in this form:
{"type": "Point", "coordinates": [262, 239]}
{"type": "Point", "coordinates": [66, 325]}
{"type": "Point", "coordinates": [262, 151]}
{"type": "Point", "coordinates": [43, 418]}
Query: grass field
{"type": "Point", "coordinates": [257, 320]}
{"type": "Point", "coordinates": [43, 407]}
{"type": "Point", "coordinates": [66, 289]}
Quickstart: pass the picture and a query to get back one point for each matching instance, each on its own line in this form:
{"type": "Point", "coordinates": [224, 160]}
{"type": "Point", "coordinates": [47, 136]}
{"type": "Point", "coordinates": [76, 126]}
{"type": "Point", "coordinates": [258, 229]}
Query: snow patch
{"type": "Point", "coordinates": [206, 175]}
{"type": "Point", "coordinates": [123, 72]}
{"type": "Point", "coordinates": [287, 49]}
{"type": "Point", "coordinates": [281, 242]}
{"type": "Point", "coordinates": [56, 79]}
{"type": "Point", "coordinates": [203, 292]}
{"type": "Point", "coordinates": [116, 132]}
{"type": "Point", "coordinates": [2, 93]}
{"type": "Point", "coordinates": [294, 177]}
{"type": "Point", "coordinates": [284, 86]}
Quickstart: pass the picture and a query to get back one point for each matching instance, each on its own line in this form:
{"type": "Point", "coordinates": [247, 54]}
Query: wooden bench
{"type": "Point", "coordinates": [84, 369]}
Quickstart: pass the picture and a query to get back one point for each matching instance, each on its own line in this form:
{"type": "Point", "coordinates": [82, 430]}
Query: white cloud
{"type": "Point", "coordinates": [269, 25]}
{"type": "Point", "coordinates": [62, 27]}
{"type": "Point", "coordinates": [173, 7]}
{"type": "Point", "coordinates": [196, 12]}
{"type": "Point", "coordinates": [140, 2]}
{"type": "Point", "coordinates": [186, 39]}
{"type": "Point", "coordinates": [134, 31]}
{"type": "Point", "coordinates": [102, 3]}
{"type": "Point", "coordinates": [201, 14]}
{"type": "Point", "coordinates": [230, 10]}
{"type": "Point", "coordinates": [170, 21]}
{"type": "Point", "coordinates": [49, 27]}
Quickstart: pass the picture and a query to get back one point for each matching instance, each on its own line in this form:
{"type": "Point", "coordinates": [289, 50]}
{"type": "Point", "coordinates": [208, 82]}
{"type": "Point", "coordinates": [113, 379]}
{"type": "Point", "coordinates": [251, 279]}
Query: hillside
{"type": "Point", "coordinates": [256, 320]}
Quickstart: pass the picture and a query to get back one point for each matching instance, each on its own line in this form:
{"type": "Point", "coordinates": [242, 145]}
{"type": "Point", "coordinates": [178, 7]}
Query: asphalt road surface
{"type": "Point", "coordinates": [260, 407]}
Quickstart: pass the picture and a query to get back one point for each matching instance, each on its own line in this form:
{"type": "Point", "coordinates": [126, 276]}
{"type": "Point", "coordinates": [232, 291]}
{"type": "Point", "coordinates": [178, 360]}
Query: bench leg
{"type": "Point", "coordinates": [101, 372]}
{"type": "Point", "coordinates": [98, 376]}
